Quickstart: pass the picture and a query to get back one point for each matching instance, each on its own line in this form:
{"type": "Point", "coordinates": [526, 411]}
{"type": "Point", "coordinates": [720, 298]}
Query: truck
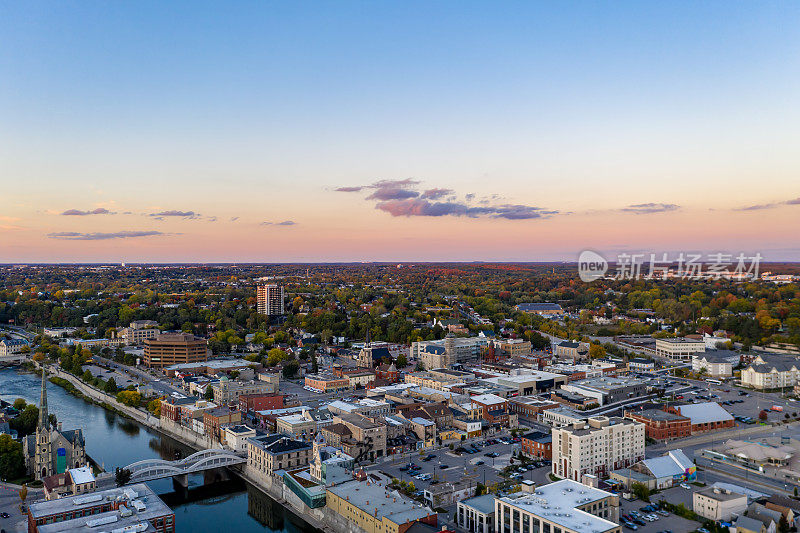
{"type": "Point", "coordinates": [777, 408]}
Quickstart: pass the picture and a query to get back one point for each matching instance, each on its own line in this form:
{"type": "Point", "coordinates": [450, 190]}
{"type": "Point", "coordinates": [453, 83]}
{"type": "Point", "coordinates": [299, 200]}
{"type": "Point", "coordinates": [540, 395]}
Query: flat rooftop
{"type": "Point", "coordinates": [483, 504]}
{"type": "Point", "coordinates": [391, 505]}
{"type": "Point", "coordinates": [658, 414]}
{"type": "Point", "coordinates": [93, 523]}
{"type": "Point", "coordinates": [140, 492]}
{"type": "Point", "coordinates": [680, 340]}
{"type": "Point", "coordinates": [557, 502]}
{"type": "Point", "coordinates": [720, 494]}
{"type": "Point", "coordinates": [608, 383]}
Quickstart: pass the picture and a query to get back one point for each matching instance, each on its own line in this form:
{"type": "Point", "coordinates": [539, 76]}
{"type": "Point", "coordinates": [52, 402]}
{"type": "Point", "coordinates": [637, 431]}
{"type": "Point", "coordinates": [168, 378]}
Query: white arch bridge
{"type": "Point", "coordinates": [151, 469]}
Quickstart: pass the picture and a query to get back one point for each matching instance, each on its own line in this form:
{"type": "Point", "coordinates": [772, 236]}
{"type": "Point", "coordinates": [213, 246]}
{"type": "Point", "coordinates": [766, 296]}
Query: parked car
{"type": "Point", "coordinates": [685, 486]}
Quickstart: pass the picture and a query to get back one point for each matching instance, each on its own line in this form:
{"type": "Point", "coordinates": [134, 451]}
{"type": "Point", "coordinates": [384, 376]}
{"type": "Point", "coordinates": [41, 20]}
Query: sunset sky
{"type": "Point", "coordinates": [397, 131]}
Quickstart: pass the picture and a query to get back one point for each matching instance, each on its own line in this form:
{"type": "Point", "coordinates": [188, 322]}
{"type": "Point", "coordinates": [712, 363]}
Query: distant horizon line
{"type": "Point", "coordinates": [257, 263]}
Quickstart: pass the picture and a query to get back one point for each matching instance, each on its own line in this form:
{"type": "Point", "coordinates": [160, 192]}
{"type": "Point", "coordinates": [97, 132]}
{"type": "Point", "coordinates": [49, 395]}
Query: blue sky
{"type": "Point", "coordinates": [258, 111]}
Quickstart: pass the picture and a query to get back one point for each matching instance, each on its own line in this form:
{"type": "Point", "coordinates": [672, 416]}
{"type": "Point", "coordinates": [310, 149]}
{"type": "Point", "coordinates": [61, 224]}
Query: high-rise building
{"type": "Point", "coordinates": [174, 348]}
{"type": "Point", "coordinates": [270, 299]}
{"type": "Point", "coordinates": [596, 447]}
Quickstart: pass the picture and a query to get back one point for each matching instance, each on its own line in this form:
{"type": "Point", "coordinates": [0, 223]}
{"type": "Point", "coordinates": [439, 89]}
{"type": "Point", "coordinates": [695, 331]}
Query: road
{"type": "Point", "coordinates": [10, 502]}
{"type": "Point", "coordinates": [133, 375]}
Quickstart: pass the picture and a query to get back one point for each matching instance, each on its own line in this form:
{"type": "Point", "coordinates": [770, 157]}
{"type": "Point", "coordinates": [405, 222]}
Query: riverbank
{"type": "Point", "coordinates": [320, 519]}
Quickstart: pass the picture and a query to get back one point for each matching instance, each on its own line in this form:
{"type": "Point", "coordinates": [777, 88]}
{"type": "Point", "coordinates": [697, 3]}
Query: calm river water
{"type": "Point", "coordinates": [112, 441]}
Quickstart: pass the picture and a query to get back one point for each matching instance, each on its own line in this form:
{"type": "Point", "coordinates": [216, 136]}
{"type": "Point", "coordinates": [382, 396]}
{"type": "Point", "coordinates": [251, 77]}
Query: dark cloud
{"type": "Point", "coordinates": [75, 236]}
{"type": "Point", "coordinates": [174, 213]}
{"type": "Point", "coordinates": [389, 185]}
{"type": "Point", "coordinates": [418, 207]}
{"type": "Point", "coordinates": [644, 209]}
{"type": "Point", "coordinates": [771, 205]}
{"type": "Point", "coordinates": [392, 193]}
{"type": "Point", "coordinates": [757, 207]}
{"type": "Point", "coordinates": [407, 182]}
{"type": "Point", "coordinates": [435, 194]}
{"type": "Point", "coordinates": [79, 213]}
{"type": "Point", "coordinates": [400, 199]}
{"type": "Point", "coordinates": [284, 223]}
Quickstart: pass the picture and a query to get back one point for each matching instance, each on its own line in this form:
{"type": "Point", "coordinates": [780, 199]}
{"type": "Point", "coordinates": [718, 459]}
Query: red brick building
{"type": "Point", "coordinates": [215, 419]}
{"type": "Point", "coordinates": [528, 407]}
{"type": "Point", "coordinates": [493, 408]}
{"type": "Point", "coordinates": [171, 408]}
{"type": "Point", "coordinates": [538, 445]}
{"type": "Point", "coordinates": [387, 372]}
{"type": "Point", "coordinates": [260, 402]}
{"type": "Point", "coordinates": [661, 425]}
{"type": "Point", "coordinates": [708, 416]}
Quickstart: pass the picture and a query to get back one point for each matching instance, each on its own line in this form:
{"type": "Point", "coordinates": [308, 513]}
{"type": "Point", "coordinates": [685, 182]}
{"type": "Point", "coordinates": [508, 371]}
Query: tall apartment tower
{"type": "Point", "coordinates": [270, 299]}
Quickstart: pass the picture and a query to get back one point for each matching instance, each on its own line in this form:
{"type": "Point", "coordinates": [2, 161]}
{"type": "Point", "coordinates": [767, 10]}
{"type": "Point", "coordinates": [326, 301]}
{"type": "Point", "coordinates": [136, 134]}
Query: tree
{"type": "Point", "coordinates": [596, 351]}
{"type": "Point", "coordinates": [23, 493]}
{"type": "Point", "coordinates": [275, 356]}
{"type": "Point", "coordinates": [290, 369]}
{"type": "Point", "coordinates": [314, 364]}
{"type": "Point", "coordinates": [763, 415]}
{"type": "Point", "coordinates": [110, 386]}
{"type": "Point", "coordinates": [19, 404]}
{"type": "Point", "coordinates": [122, 476]}
{"type": "Point", "coordinates": [480, 489]}
{"type": "Point", "coordinates": [402, 361]}
{"type": "Point", "coordinates": [12, 462]}
{"type": "Point", "coordinates": [209, 394]}
{"type": "Point", "coordinates": [154, 408]}
{"type": "Point", "coordinates": [25, 422]}
{"type": "Point", "coordinates": [641, 491]}
{"type": "Point", "coordinates": [129, 398]}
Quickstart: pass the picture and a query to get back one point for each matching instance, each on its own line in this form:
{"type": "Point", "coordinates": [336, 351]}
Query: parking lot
{"type": "Point", "coordinates": [672, 522]}
{"type": "Point", "coordinates": [120, 378]}
{"type": "Point", "coordinates": [741, 402]}
{"type": "Point", "coordinates": [483, 466]}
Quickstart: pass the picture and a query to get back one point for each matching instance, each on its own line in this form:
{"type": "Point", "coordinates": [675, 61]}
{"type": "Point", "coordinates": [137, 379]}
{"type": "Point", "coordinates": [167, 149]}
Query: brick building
{"type": "Point", "coordinates": [260, 402]}
{"type": "Point", "coordinates": [537, 444]}
{"type": "Point", "coordinates": [174, 348]}
{"type": "Point", "coordinates": [661, 425]}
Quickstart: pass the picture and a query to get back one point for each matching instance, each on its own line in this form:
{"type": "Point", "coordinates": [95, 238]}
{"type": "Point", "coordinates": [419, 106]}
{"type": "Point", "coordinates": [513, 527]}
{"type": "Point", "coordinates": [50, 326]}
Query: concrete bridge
{"type": "Point", "coordinates": [202, 461]}
{"type": "Point", "coordinates": [14, 359]}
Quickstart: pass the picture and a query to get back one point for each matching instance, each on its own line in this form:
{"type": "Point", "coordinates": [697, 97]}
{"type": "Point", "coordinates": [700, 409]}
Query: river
{"type": "Point", "coordinates": [112, 440]}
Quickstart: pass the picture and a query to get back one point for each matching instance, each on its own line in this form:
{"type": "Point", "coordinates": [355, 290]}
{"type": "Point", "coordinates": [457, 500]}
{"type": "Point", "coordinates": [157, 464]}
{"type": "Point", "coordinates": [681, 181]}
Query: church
{"type": "Point", "coordinates": [52, 451]}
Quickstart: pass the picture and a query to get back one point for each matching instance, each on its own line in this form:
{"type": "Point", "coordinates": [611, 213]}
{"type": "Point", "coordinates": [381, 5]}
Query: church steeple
{"type": "Point", "coordinates": [44, 417]}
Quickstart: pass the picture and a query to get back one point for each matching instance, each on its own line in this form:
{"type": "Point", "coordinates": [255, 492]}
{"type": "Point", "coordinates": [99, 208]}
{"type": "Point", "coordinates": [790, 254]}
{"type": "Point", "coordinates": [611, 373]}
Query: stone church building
{"type": "Point", "coordinates": [51, 450]}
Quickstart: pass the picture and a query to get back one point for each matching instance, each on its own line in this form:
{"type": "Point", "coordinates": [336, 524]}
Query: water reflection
{"type": "Point", "coordinates": [210, 504]}
{"type": "Point", "coordinates": [267, 511]}
{"type": "Point", "coordinates": [129, 427]}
